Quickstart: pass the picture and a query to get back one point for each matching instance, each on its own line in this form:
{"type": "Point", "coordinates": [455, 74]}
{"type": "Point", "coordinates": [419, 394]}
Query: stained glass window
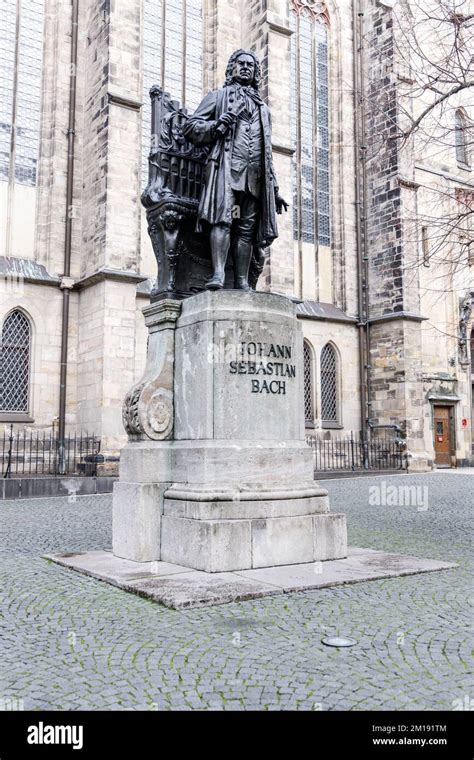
{"type": "Point", "coordinates": [172, 57]}
{"type": "Point", "coordinates": [15, 363]}
{"type": "Point", "coordinates": [310, 125]}
{"type": "Point", "coordinates": [20, 88]}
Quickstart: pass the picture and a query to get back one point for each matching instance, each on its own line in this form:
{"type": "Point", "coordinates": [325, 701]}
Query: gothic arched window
{"type": "Point", "coordinates": [308, 385]}
{"type": "Point", "coordinates": [329, 386]}
{"type": "Point", "coordinates": [310, 87]}
{"type": "Point", "coordinates": [15, 352]}
{"type": "Point", "coordinates": [461, 137]}
{"type": "Point", "coordinates": [172, 57]}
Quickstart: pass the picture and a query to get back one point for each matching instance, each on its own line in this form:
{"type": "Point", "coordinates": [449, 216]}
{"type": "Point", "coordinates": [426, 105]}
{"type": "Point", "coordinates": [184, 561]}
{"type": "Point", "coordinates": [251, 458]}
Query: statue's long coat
{"type": "Point", "coordinates": [216, 202]}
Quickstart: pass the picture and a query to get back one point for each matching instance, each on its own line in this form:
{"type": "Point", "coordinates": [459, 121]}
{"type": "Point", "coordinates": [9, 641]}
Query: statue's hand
{"type": "Point", "coordinates": [227, 119]}
{"type": "Point", "coordinates": [280, 203]}
{"type": "Point", "coordinates": [224, 122]}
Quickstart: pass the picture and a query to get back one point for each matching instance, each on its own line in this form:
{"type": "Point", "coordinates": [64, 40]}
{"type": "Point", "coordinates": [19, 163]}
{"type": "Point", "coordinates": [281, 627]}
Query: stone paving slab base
{"type": "Point", "coordinates": [180, 587]}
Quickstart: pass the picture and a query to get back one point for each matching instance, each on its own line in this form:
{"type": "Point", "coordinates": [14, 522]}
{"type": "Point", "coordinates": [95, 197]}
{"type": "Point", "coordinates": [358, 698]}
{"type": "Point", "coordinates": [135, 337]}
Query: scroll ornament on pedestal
{"type": "Point", "coordinates": [148, 409]}
{"type": "Point", "coordinates": [148, 412]}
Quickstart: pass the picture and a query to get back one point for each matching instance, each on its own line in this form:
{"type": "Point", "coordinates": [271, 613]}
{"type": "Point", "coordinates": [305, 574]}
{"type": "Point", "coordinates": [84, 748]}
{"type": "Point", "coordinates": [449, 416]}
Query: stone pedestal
{"type": "Point", "coordinates": [217, 475]}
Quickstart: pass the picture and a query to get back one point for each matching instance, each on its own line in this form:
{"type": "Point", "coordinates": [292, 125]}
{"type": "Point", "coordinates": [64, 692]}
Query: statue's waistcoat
{"type": "Point", "coordinates": [246, 165]}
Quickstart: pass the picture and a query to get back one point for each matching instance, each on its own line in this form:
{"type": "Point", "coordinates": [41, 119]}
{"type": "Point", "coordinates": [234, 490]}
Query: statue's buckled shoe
{"type": "Point", "coordinates": [216, 282]}
{"type": "Point", "coordinates": [241, 283]}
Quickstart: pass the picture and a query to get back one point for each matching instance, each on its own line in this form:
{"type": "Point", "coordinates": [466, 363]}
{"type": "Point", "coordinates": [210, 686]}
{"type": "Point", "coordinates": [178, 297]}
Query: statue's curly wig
{"type": "Point", "coordinates": [229, 72]}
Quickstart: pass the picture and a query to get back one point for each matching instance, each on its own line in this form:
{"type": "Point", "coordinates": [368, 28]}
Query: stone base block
{"type": "Point", "coordinates": [214, 462]}
{"type": "Point", "coordinates": [282, 541]}
{"type": "Point", "coordinates": [230, 545]}
{"type": "Point", "coordinates": [330, 536]}
{"type": "Point", "coordinates": [243, 508]}
{"type": "Point", "coordinates": [136, 520]}
{"type": "Point", "coordinates": [210, 545]}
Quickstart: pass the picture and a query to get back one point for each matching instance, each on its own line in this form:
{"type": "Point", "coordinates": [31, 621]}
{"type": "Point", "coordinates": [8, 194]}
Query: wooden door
{"type": "Point", "coordinates": [442, 435]}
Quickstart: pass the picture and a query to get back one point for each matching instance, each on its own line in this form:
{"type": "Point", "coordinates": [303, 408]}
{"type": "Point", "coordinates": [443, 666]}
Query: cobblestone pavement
{"type": "Point", "coordinates": [71, 642]}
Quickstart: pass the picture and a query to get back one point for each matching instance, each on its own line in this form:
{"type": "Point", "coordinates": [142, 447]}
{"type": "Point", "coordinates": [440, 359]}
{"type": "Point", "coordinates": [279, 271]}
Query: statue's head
{"type": "Point", "coordinates": [244, 68]}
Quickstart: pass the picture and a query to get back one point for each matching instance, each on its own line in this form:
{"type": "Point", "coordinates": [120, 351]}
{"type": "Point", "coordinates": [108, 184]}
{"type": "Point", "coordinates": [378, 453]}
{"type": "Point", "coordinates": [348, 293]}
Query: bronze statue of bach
{"type": "Point", "coordinates": [240, 196]}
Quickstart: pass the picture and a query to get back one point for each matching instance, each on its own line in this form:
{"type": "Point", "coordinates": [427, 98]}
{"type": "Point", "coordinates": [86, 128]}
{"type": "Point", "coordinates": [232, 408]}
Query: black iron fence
{"type": "Point", "coordinates": [353, 453]}
{"type": "Point", "coordinates": [25, 453]}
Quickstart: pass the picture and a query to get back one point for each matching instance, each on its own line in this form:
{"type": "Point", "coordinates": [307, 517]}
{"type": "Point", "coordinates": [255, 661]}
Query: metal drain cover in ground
{"type": "Point", "coordinates": [338, 641]}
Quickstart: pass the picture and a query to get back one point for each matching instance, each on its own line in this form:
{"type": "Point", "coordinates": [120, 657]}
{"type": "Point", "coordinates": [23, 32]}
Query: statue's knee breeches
{"type": "Point", "coordinates": [245, 225]}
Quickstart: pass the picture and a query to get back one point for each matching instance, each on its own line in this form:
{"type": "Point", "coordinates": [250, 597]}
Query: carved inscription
{"type": "Point", "coordinates": [268, 364]}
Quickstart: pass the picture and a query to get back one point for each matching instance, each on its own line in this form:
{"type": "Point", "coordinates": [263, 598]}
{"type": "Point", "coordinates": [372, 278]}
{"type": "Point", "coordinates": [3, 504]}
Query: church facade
{"type": "Point", "coordinates": [388, 329]}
